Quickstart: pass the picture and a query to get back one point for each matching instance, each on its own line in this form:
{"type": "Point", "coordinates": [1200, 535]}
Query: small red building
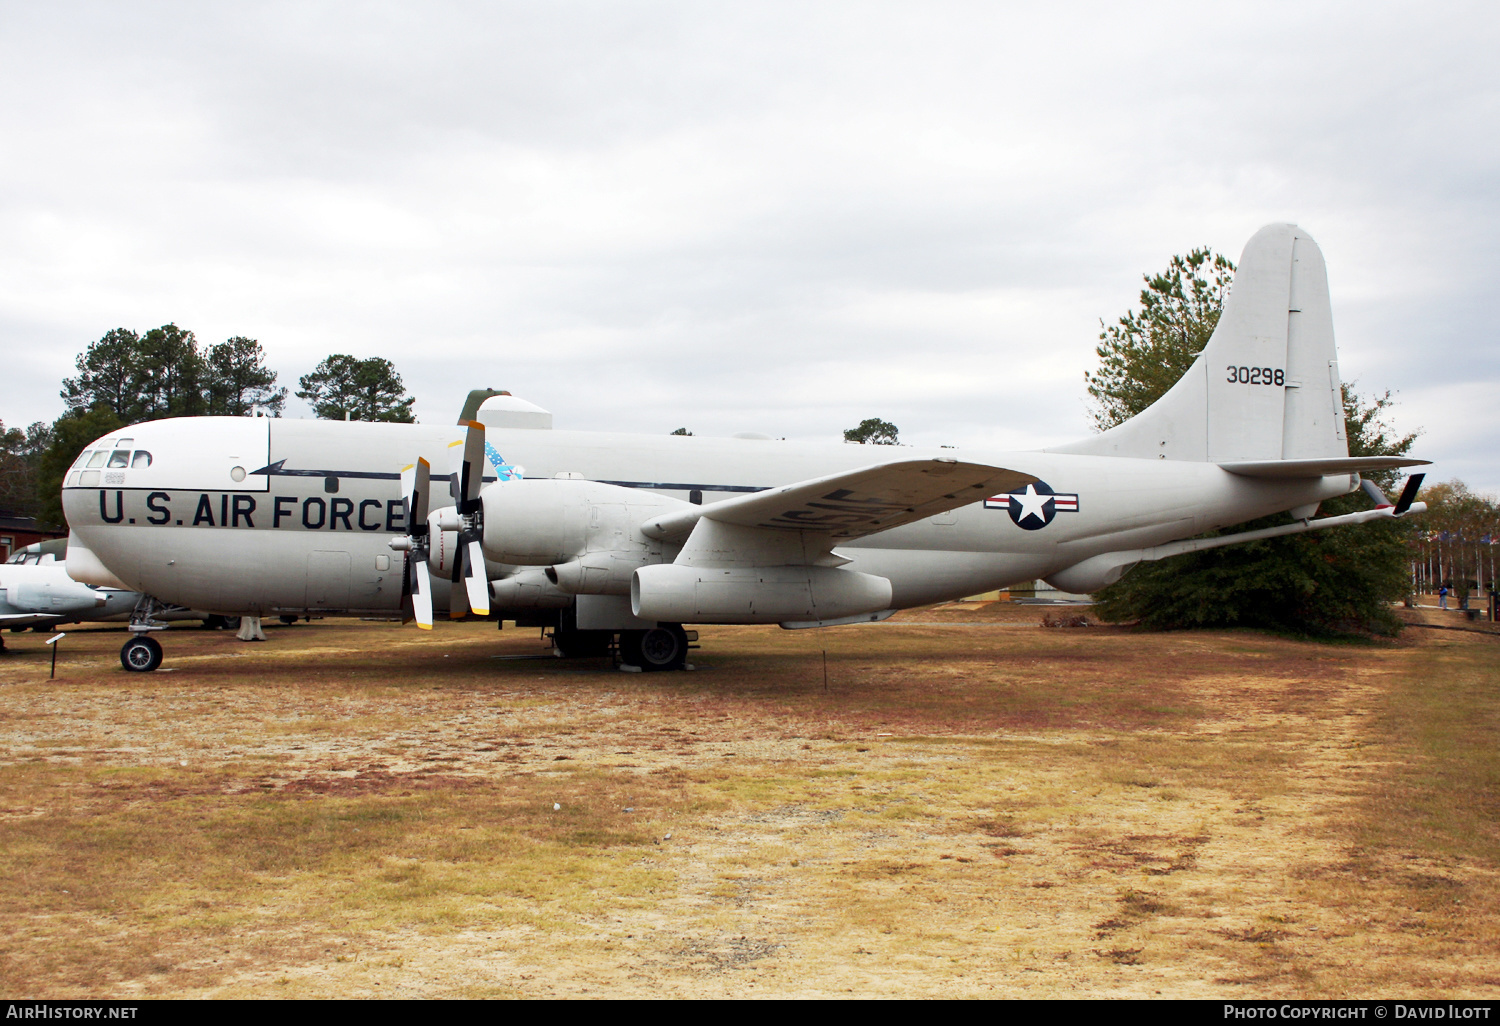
{"type": "Point", "coordinates": [17, 532]}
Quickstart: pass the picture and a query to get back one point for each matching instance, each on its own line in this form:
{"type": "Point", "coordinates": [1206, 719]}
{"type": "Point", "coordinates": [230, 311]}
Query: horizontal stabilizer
{"type": "Point", "coordinates": [1321, 467]}
{"type": "Point", "coordinates": [853, 503]}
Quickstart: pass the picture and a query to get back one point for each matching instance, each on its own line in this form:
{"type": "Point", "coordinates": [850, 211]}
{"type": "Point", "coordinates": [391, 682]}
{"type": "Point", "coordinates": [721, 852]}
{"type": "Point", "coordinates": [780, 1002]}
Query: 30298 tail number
{"type": "Point", "coordinates": [1256, 376]}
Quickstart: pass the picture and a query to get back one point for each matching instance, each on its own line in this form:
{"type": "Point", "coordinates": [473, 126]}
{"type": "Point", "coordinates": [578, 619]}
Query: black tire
{"type": "Point", "coordinates": [231, 623]}
{"type": "Point", "coordinates": [663, 647]}
{"type": "Point", "coordinates": [141, 655]}
{"type": "Point", "coordinates": [286, 619]}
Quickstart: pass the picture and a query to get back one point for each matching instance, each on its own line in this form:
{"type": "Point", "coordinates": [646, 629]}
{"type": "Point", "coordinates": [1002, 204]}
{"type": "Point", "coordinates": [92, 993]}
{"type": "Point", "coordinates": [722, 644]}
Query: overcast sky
{"type": "Point", "coordinates": [746, 217]}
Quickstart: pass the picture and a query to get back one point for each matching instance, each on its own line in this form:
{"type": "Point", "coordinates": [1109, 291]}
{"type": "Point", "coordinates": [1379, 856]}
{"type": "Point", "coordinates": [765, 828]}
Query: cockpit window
{"type": "Point", "coordinates": [82, 457]}
{"type": "Point", "coordinates": [120, 458]}
{"type": "Point", "coordinates": [125, 443]}
{"type": "Point", "coordinates": [142, 459]}
{"type": "Point", "coordinates": [97, 460]}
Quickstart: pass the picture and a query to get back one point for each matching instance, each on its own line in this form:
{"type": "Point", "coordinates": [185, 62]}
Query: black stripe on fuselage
{"type": "Point", "coordinates": [276, 470]}
{"type": "Point", "coordinates": [670, 486]}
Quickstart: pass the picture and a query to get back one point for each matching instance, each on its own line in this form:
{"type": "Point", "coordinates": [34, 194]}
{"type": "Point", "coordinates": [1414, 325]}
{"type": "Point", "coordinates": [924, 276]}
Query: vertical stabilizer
{"type": "Point", "coordinates": [1266, 386]}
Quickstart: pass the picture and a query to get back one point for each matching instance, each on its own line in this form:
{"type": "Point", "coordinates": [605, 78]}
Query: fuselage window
{"type": "Point", "coordinates": [97, 460]}
{"type": "Point", "coordinates": [142, 459]}
{"type": "Point", "coordinates": [120, 458]}
{"type": "Point", "coordinates": [330, 483]}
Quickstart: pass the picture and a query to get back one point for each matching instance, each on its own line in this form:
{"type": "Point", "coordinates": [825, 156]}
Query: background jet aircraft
{"type": "Point", "coordinates": [36, 591]}
{"type": "Point", "coordinates": [600, 535]}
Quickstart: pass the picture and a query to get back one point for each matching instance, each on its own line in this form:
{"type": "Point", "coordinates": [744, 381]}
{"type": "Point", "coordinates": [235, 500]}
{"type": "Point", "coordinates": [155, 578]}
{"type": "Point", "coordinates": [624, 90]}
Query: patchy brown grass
{"type": "Point", "coordinates": [972, 805]}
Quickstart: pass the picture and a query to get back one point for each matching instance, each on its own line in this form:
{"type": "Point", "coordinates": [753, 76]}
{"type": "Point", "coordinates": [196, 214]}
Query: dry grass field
{"type": "Point", "coordinates": [972, 805]}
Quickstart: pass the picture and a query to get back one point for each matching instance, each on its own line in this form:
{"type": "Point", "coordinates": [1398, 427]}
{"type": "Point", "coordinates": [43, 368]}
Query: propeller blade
{"type": "Point", "coordinates": [475, 578]}
{"type": "Point", "coordinates": [421, 593]}
{"type": "Point", "coordinates": [458, 594]}
{"type": "Point", "coordinates": [1408, 494]}
{"type": "Point", "coordinates": [416, 483]}
{"type": "Point", "coordinates": [468, 467]}
{"type": "Point", "coordinates": [408, 611]}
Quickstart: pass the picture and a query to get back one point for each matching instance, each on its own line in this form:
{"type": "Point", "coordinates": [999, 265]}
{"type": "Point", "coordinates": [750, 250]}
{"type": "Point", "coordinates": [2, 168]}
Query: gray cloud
{"type": "Point", "coordinates": [780, 217]}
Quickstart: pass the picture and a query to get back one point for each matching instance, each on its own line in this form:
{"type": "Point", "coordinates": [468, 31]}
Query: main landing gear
{"type": "Point", "coordinates": [664, 647]}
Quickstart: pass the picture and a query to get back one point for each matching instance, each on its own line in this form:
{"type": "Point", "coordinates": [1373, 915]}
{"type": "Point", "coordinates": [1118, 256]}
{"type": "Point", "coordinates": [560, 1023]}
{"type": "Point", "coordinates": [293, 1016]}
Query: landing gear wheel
{"type": "Point", "coordinates": [288, 620]}
{"type": "Point", "coordinates": [231, 623]}
{"type": "Point", "coordinates": [141, 655]}
{"type": "Point", "coordinates": [664, 647]}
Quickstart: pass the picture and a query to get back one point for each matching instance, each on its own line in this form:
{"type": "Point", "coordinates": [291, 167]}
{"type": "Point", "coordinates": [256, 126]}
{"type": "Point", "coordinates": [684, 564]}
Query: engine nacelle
{"type": "Point", "coordinates": [672, 593]}
{"type": "Point", "coordinates": [49, 590]}
{"type": "Point", "coordinates": [551, 522]}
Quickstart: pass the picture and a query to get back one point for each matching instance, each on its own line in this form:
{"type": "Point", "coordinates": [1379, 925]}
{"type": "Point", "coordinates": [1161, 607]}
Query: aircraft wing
{"type": "Point", "coordinates": [853, 503]}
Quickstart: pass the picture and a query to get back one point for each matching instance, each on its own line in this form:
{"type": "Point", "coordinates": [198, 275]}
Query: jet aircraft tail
{"type": "Point", "coordinates": [1266, 387]}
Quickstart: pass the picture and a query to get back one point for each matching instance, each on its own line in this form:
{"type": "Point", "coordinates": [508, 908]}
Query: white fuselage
{"type": "Point", "coordinates": [263, 516]}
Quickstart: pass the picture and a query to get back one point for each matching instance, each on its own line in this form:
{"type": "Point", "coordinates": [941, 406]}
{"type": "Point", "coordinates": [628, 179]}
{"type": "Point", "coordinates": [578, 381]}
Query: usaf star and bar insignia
{"type": "Point", "coordinates": [1033, 507]}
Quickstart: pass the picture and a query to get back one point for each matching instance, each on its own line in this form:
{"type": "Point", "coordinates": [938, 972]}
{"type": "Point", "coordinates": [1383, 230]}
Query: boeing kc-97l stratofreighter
{"type": "Point", "coordinates": [602, 535]}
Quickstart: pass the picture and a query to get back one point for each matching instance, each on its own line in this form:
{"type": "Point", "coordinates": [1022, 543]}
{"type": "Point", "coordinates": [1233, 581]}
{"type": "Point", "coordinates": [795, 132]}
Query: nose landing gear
{"type": "Point", "coordinates": [142, 653]}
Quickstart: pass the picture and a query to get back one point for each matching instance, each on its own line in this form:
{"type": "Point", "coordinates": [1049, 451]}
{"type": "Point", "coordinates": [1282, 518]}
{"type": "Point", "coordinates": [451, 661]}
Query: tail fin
{"type": "Point", "coordinates": [1266, 387]}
